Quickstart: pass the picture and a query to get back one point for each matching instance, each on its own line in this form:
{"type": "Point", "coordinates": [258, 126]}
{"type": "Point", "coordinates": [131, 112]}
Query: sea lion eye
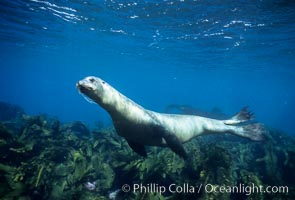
{"type": "Point", "coordinates": [103, 82]}
{"type": "Point", "coordinates": [91, 80]}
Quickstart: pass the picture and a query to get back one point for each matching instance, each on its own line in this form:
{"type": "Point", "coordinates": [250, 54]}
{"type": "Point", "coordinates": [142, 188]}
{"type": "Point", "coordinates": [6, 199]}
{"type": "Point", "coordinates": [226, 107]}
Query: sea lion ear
{"type": "Point", "coordinates": [137, 148]}
{"type": "Point", "coordinates": [172, 141]}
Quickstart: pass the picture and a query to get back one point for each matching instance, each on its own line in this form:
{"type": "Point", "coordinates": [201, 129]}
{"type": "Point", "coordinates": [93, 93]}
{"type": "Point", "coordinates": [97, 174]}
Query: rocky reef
{"type": "Point", "coordinates": [41, 158]}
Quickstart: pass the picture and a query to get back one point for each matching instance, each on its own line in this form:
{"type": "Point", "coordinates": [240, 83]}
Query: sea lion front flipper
{"type": "Point", "coordinates": [175, 145]}
{"type": "Point", "coordinates": [137, 148]}
{"type": "Point", "coordinates": [172, 141]}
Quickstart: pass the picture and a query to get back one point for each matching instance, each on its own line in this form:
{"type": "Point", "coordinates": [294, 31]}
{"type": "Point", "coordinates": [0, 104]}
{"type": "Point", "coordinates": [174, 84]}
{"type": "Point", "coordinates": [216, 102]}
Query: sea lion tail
{"type": "Point", "coordinates": [254, 132]}
{"type": "Point", "coordinates": [243, 116]}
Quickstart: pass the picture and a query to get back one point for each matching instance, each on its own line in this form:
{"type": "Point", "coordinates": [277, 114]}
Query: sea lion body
{"type": "Point", "coordinates": [142, 127]}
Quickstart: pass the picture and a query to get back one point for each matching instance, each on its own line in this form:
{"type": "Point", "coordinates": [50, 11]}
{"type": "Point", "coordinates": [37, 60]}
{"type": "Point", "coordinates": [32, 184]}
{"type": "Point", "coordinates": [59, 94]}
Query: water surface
{"type": "Point", "coordinates": [206, 54]}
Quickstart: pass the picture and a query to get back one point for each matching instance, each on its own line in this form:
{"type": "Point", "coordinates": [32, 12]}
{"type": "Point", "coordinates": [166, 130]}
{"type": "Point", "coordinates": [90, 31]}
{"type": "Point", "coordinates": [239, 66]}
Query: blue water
{"type": "Point", "coordinates": [217, 53]}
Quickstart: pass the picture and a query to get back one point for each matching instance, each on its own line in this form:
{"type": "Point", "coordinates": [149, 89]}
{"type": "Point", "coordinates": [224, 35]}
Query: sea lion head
{"type": "Point", "coordinates": [93, 87]}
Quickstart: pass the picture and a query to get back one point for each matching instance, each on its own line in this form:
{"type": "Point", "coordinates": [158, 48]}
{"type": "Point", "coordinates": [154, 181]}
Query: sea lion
{"type": "Point", "coordinates": [142, 127]}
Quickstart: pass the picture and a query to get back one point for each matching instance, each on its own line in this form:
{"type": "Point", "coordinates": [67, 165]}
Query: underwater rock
{"type": "Point", "coordinates": [78, 128]}
{"type": "Point", "coordinates": [10, 112]}
{"type": "Point", "coordinates": [5, 134]}
{"type": "Point", "coordinates": [39, 120]}
{"type": "Point", "coordinates": [6, 137]}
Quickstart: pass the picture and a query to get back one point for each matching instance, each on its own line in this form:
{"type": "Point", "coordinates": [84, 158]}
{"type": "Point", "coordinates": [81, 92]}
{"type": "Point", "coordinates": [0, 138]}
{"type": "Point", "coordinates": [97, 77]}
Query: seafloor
{"type": "Point", "coordinates": [41, 158]}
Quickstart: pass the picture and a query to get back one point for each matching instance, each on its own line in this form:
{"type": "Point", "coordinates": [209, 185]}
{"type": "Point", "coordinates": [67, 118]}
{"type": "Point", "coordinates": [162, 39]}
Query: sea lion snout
{"type": "Point", "coordinates": [91, 88]}
{"type": "Point", "coordinates": [79, 85]}
{"type": "Point", "coordinates": [90, 84]}
{"type": "Point", "coordinates": [84, 85]}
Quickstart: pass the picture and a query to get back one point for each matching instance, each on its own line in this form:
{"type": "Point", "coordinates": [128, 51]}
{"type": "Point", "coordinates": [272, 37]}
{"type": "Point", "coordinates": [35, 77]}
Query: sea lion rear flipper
{"type": "Point", "coordinates": [243, 116]}
{"type": "Point", "coordinates": [254, 132]}
{"type": "Point", "coordinates": [137, 148]}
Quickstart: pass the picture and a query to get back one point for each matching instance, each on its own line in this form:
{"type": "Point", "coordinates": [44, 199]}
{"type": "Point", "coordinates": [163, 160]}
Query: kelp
{"type": "Point", "coordinates": [41, 158]}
